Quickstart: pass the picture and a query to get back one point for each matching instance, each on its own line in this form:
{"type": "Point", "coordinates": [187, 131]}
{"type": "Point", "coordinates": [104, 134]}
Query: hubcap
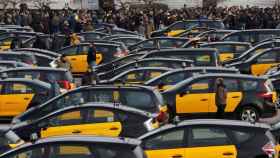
{"type": "Point", "coordinates": [249, 115]}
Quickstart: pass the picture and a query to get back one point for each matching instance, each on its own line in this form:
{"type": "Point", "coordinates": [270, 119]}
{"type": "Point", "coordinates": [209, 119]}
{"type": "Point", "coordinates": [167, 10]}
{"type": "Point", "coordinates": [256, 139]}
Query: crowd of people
{"type": "Point", "coordinates": [143, 20]}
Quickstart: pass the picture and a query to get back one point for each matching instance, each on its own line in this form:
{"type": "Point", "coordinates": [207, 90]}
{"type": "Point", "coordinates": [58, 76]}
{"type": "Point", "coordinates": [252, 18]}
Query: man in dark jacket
{"type": "Point", "coordinates": [220, 97]}
{"type": "Point", "coordinates": [91, 59]}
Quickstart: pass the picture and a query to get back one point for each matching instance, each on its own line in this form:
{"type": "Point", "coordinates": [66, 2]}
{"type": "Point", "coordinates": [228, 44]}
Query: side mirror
{"type": "Point", "coordinates": [182, 94]}
{"type": "Point", "coordinates": [160, 85]}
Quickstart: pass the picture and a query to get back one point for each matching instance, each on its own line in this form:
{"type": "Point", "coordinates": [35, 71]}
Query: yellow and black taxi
{"type": "Point", "coordinates": [136, 96]}
{"type": "Point", "coordinates": [200, 56]}
{"type": "Point", "coordinates": [77, 55]}
{"type": "Point", "coordinates": [180, 26]}
{"type": "Point", "coordinates": [159, 43]}
{"type": "Point", "coordinates": [252, 36]}
{"type": "Point", "coordinates": [76, 146]}
{"type": "Point", "coordinates": [213, 35]}
{"type": "Point", "coordinates": [6, 64]}
{"type": "Point", "coordinates": [129, 40]}
{"type": "Point", "coordinates": [20, 57]}
{"type": "Point", "coordinates": [136, 75]}
{"type": "Point", "coordinates": [173, 77]}
{"type": "Point", "coordinates": [228, 50]}
{"type": "Point", "coordinates": [149, 62]}
{"type": "Point", "coordinates": [259, 63]}
{"type": "Point", "coordinates": [18, 95]}
{"type": "Point", "coordinates": [62, 76]}
{"type": "Point", "coordinates": [248, 97]}
{"type": "Point", "coordinates": [101, 119]}
{"type": "Point", "coordinates": [118, 62]}
{"type": "Point", "coordinates": [210, 138]}
{"type": "Point", "coordinates": [253, 51]}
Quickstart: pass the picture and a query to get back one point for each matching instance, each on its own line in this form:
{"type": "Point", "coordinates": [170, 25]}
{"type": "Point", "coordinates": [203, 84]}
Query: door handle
{"type": "Point", "coordinates": [114, 128]}
{"type": "Point", "coordinates": [203, 99]}
{"type": "Point", "coordinates": [76, 132]}
{"type": "Point", "coordinates": [235, 97]}
{"type": "Point", "coordinates": [228, 154]}
{"type": "Point", "coordinates": [26, 98]}
{"type": "Point", "coordinates": [177, 156]}
{"type": "Point", "coordinates": [73, 59]}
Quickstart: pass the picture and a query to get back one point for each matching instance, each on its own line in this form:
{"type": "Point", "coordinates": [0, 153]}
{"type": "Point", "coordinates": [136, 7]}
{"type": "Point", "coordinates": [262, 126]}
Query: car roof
{"type": "Point", "coordinates": [240, 76]}
{"type": "Point", "coordinates": [193, 69]}
{"type": "Point", "coordinates": [262, 52]}
{"type": "Point", "coordinates": [226, 42]}
{"type": "Point", "coordinates": [36, 69]}
{"type": "Point", "coordinates": [219, 122]}
{"type": "Point", "coordinates": [185, 50]}
{"type": "Point", "coordinates": [113, 106]}
{"type": "Point", "coordinates": [164, 59]}
{"type": "Point", "coordinates": [80, 139]}
{"type": "Point", "coordinates": [38, 50]}
{"type": "Point", "coordinates": [37, 82]}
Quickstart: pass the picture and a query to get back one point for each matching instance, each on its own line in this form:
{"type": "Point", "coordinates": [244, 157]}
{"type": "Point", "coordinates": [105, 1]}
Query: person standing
{"type": "Point", "coordinates": [91, 60]}
{"type": "Point", "coordinates": [220, 97]}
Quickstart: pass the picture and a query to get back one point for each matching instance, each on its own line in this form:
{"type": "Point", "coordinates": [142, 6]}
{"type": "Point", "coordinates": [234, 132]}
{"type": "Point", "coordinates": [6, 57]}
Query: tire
{"type": "Point", "coordinates": [249, 114]}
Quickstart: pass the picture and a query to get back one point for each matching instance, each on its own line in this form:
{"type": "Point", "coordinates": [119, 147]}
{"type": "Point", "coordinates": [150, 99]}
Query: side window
{"type": "Point", "coordinates": [149, 74]}
{"type": "Point", "coordinates": [167, 140]}
{"type": "Point", "coordinates": [65, 119]}
{"type": "Point", "coordinates": [134, 76]}
{"type": "Point", "coordinates": [241, 136]}
{"type": "Point", "coordinates": [201, 86]}
{"type": "Point", "coordinates": [208, 136]}
{"type": "Point", "coordinates": [18, 88]}
{"type": "Point", "coordinates": [174, 78]}
{"type": "Point", "coordinates": [249, 85]}
{"type": "Point", "coordinates": [137, 99]}
{"type": "Point", "coordinates": [225, 48]}
{"type": "Point", "coordinates": [231, 85]}
{"type": "Point", "coordinates": [267, 57]}
{"type": "Point", "coordinates": [100, 116]}
{"type": "Point", "coordinates": [104, 96]}
{"type": "Point", "coordinates": [70, 51]}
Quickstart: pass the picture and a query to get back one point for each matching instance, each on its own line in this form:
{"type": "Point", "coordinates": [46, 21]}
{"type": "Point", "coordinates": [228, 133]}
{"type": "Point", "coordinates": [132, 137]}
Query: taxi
{"type": "Point", "coordinates": [228, 50]}
{"type": "Point", "coordinates": [18, 95]}
{"type": "Point", "coordinates": [248, 97]}
{"type": "Point", "coordinates": [140, 97]}
{"type": "Point", "coordinates": [62, 76]}
{"type": "Point", "coordinates": [254, 50]}
{"type": "Point", "coordinates": [89, 119]}
{"type": "Point", "coordinates": [180, 26]}
{"type": "Point", "coordinates": [259, 63]}
{"type": "Point", "coordinates": [210, 138]}
{"type": "Point", "coordinates": [171, 78]}
{"type": "Point", "coordinates": [200, 56]}
{"type": "Point", "coordinates": [136, 75]}
{"type": "Point", "coordinates": [149, 62]}
{"type": "Point", "coordinates": [252, 36]}
{"type": "Point", "coordinates": [76, 146]}
{"type": "Point", "coordinates": [213, 35]}
{"type": "Point", "coordinates": [77, 55]}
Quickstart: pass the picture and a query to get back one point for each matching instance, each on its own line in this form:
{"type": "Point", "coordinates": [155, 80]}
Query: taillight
{"type": "Point", "coordinates": [121, 54]}
{"type": "Point", "coordinates": [65, 84]}
{"type": "Point", "coordinates": [269, 149]}
{"type": "Point", "coordinates": [266, 96]}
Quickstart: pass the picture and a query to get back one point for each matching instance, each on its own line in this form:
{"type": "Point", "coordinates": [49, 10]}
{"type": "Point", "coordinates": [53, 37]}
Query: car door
{"type": "Point", "coordinates": [87, 121]}
{"type": "Point", "coordinates": [75, 59]}
{"type": "Point", "coordinates": [234, 96]}
{"type": "Point", "coordinates": [264, 62]}
{"type": "Point", "coordinates": [166, 144]}
{"type": "Point", "coordinates": [194, 98]}
{"type": "Point", "coordinates": [16, 98]}
{"type": "Point", "coordinates": [211, 142]}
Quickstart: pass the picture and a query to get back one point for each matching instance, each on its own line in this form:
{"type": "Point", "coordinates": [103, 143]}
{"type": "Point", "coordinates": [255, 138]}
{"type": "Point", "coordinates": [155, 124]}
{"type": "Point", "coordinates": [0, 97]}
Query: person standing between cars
{"type": "Point", "coordinates": [220, 97]}
{"type": "Point", "coordinates": [91, 59]}
{"type": "Point", "coordinates": [63, 63]}
{"type": "Point", "coordinates": [55, 88]}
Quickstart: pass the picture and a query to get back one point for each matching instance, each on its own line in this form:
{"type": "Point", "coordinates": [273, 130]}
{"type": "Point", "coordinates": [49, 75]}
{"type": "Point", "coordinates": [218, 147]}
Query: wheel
{"type": "Point", "coordinates": [249, 114]}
